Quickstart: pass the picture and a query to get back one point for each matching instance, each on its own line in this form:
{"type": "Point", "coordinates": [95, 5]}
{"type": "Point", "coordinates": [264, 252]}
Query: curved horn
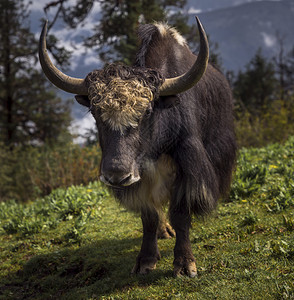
{"type": "Point", "coordinates": [182, 83]}
{"type": "Point", "coordinates": [62, 81]}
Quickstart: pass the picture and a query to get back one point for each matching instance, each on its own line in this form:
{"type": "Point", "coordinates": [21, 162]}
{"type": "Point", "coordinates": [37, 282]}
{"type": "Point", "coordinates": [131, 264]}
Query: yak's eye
{"type": "Point", "coordinates": [148, 111]}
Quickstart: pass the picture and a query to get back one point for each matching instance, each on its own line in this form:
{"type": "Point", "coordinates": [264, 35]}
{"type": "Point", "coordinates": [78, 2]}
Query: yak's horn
{"type": "Point", "coordinates": [62, 81]}
{"type": "Point", "coordinates": [182, 83]}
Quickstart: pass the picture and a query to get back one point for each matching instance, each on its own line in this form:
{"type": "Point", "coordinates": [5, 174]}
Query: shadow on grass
{"type": "Point", "coordinates": [88, 272]}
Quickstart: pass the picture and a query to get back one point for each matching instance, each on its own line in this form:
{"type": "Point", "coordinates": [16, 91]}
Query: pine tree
{"type": "Point", "coordinates": [289, 85]}
{"type": "Point", "coordinates": [257, 85]}
{"type": "Point", "coordinates": [30, 113]}
{"type": "Point", "coordinates": [115, 35]}
{"type": "Point", "coordinates": [118, 25]}
{"type": "Point", "coordinates": [284, 64]}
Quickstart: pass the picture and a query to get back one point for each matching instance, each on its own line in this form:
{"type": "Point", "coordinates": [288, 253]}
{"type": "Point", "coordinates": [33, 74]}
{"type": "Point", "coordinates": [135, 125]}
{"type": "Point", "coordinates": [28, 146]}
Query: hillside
{"type": "Point", "coordinates": [241, 30]}
{"type": "Point", "coordinates": [80, 244]}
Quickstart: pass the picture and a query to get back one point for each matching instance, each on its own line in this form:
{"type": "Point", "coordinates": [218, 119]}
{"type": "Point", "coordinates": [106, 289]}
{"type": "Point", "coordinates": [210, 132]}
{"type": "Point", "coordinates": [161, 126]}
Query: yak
{"type": "Point", "coordinates": [165, 127]}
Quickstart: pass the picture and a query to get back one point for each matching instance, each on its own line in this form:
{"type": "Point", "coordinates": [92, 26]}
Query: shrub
{"type": "Point", "coordinates": [32, 172]}
{"type": "Point", "coordinates": [274, 124]}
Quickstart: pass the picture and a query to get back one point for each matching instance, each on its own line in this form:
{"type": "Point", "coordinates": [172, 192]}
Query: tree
{"type": "Point", "coordinates": [289, 86]}
{"type": "Point", "coordinates": [119, 23]}
{"type": "Point", "coordinates": [284, 64]}
{"type": "Point", "coordinates": [257, 85]}
{"type": "Point", "coordinates": [30, 113]}
{"type": "Point", "coordinates": [115, 36]}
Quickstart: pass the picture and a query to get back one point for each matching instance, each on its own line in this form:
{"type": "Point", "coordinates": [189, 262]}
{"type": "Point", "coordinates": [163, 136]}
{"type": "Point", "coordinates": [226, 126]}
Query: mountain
{"type": "Point", "coordinates": [241, 30]}
{"type": "Point", "coordinates": [209, 5]}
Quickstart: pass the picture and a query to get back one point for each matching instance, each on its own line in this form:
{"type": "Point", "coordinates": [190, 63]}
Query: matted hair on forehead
{"type": "Point", "coordinates": [123, 93]}
{"type": "Point", "coordinates": [147, 77]}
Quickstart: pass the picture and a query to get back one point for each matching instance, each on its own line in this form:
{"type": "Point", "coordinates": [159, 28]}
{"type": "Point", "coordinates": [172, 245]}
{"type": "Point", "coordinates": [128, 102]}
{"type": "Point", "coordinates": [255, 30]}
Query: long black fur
{"type": "Point", "coordinates": [204, 147]}
{"type": "Point", "coordinates": [197, 132]}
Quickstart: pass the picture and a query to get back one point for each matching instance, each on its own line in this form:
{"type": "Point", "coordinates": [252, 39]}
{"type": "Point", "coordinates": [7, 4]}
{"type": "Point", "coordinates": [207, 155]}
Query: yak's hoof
{"type": "Point", "coordinates": [144, 265]}
{"type": "Point", "coordinates": [185, 266]}
{"type": "Point", "coordinates": [165, 231]}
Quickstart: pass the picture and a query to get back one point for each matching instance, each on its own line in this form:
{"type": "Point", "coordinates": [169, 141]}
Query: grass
{"type": "Point", "coordinates": [80, 244]}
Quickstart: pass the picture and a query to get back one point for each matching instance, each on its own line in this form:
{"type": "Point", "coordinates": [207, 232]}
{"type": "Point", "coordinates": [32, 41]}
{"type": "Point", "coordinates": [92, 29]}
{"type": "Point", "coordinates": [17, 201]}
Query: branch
{"type": "Point", "coordinates": [53, 4]}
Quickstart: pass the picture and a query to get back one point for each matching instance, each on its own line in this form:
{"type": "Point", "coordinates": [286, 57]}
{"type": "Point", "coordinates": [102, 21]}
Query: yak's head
{"type": "Point", "coordinates": [122, 94]}
{"type": "Point", "coordinates": [121, 99]}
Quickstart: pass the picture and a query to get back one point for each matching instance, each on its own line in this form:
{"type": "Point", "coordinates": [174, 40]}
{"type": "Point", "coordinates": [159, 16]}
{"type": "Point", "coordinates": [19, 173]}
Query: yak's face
{"type": "Point", "coordinates": [121, 100]}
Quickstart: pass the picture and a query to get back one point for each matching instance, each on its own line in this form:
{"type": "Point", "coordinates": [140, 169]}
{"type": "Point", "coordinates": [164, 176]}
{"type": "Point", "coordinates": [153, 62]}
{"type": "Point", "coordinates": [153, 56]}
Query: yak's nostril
{"type": "Point", "coordinates": [107, 180]}
{"type": "Point", "coordinates": [126, 180]}
{"type": "Point", "coordinates": [114, 180]}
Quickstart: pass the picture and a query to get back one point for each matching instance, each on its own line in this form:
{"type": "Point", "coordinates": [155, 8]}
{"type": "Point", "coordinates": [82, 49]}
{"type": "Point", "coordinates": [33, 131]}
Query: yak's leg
{"type": "Point", "coordinates": [184, 261]}
{"type": "Point", "coordinates": [149, 254]}
{"type": "Point", "coordinates": [164, 230]}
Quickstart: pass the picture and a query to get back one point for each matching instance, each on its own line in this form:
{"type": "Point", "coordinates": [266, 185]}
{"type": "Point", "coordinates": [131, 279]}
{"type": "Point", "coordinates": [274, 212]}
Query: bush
{"type": "Point", "coordinates": [274, 124]}
{"type": "Point", "coordinates": [32, 172]}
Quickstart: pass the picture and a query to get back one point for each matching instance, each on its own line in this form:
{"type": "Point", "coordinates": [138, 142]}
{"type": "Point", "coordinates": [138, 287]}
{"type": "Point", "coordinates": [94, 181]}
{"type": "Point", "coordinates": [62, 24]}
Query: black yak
{"type": "Point", "coordinates": [166, 132]}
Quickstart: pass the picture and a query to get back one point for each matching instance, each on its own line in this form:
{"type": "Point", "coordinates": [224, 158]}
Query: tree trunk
{"type": "Point", "coordinates": [8, 89]}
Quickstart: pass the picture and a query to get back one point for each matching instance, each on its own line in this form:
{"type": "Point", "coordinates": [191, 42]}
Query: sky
{"type": "Point", "coordinates": [66, 35]}
{"type": "Point", "coordinates": [80, 56]}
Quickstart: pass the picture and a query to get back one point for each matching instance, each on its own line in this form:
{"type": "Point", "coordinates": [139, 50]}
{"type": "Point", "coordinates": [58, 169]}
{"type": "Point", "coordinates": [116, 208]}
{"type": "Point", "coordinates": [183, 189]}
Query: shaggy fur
{"type": "Point", "coordinates": [123, 94]}
{"type": "Point", "coordinates": [155, 188]}
{"type": "Point", "coordinates": [200, 129]}
{"type": "Point", "coordinates": [165, 29]}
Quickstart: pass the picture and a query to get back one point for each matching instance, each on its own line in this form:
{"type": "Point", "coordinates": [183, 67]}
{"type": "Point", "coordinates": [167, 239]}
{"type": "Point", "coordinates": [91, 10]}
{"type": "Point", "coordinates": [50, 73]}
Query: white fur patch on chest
{"type": "Point", "coordinates": [155, 188]}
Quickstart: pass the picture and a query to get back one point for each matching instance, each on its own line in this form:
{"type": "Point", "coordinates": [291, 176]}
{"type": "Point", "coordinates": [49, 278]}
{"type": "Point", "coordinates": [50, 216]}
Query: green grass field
{"type": "Point", "coordinates": [80, 244]}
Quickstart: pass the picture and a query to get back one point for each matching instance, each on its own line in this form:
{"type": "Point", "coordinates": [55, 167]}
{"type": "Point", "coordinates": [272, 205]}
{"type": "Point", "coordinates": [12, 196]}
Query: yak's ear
{"type": "Point", "coordinates": [169, 101]}
{"type": "Point", "coordinates": [83, 100]}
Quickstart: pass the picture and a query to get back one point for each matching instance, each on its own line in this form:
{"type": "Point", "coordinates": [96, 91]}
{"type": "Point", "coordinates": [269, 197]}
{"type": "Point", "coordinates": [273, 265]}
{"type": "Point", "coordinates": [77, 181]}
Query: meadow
{"type": "Point", "coordinates": [78, 243]}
